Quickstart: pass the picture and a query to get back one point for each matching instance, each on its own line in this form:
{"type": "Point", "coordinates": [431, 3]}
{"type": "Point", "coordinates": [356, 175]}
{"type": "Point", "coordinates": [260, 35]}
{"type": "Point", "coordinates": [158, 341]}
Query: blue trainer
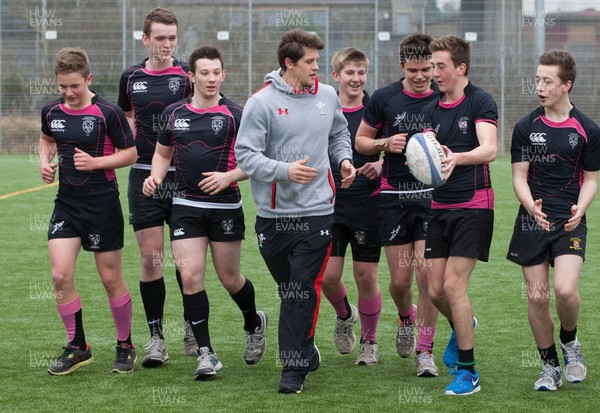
{"type": "Point", "coordinates": [464, 383]}
{"type": "Point", "coordinates": [451, 351]}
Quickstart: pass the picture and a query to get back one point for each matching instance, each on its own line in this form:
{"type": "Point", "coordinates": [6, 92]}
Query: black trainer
{"type": "Point", "coordinates": [292, 381]}
{"type": "Point", "coordinates": [125, 359]}
{"type": "Point", "coordinates": [71, 359]}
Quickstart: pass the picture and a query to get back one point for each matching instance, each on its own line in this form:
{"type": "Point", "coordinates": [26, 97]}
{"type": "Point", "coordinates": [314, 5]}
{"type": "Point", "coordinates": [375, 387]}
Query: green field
{"type": "Point", "coordinates": [33, 332]}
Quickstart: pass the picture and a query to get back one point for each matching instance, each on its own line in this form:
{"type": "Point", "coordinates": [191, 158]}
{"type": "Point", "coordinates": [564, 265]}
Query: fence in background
{"type": "Point", "coordinates": [506, 37]}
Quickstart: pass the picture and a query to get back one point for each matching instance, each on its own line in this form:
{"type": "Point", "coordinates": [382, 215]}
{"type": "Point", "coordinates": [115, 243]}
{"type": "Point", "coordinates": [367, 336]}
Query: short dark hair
{"type": "Point", "coordinates": [70, 60]}
{"type": "Point", "coordinates": [567, 68]}
{"type": "Point", "coordinates": [458, 48]}
{"type": "Point", "coordinates": [415, 47]}
{"type": "Point", "coordinates": [294, 43]}
{"type": "Point", "coordinates": [204, 52]}
{"type": "Point", "coordinates": [158, 15]}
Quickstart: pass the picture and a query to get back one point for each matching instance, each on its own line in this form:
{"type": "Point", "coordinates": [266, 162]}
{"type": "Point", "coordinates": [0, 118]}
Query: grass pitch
{"type": "Point", "coordinates": [33, 333]}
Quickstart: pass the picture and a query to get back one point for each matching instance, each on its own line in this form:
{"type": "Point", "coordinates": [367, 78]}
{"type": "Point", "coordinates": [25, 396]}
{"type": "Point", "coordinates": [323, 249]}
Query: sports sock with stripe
{"type": "Point", "coordinates": [153, 297]}
{"type": "Point", "coordinates": [197, 309]}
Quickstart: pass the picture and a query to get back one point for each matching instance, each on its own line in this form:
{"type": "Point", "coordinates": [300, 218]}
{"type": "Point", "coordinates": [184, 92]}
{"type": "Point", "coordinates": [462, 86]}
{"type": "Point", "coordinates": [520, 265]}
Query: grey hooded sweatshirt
{"type": "Point", "coordinates": [279, 126]}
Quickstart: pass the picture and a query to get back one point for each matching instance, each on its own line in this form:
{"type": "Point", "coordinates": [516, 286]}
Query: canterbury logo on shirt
{"type": "Point", "coordinates": [537, 138]}
{"type": "Point", "coordinates": [139, 87]}
{"type": "Point", "coordinates": [181, 124]}
{"type": "Point", "coordinates": [57, 125]}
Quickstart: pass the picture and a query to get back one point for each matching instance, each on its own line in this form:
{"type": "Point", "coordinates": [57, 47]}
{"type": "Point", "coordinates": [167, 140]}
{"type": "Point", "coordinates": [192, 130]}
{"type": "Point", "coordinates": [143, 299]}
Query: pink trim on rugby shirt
{"type": "Point", "coordinates": [482, 199]}
{"type": "Point", "coordinates": [492, 121]}
{"type": "Point", "coordinates": [352, 110]}
{"type": "Point", "coordinates": [232, 161]}
{"type": "Point", "coordinates": [94, 110]}
{"type": "Point", "coordinates": [417, 95]}
{"type": "Point", "coordinates": [213, 109]}
{"type": "Point", "coordinates": [121, 309]}
{"type": "Point", "coordinates": [453, 104]}
{"type": "Point", "coordinates": [67, 313]}
{"type": "Point", "coordinates": [569, 123]}
{"type": "Point", "coordinates": [375, 192]}
{"type": "Point", "coordinates": [173, 70]}
{"type": "Point", "coordinates": [91, 109]}
{"type": "Point", "coordinates": [378, 126]}
{"type": "Point", "coordinates": [384, 185]}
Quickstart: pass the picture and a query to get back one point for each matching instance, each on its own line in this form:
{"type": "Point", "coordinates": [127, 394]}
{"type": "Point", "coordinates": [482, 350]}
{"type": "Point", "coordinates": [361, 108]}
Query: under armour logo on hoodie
{"type": "Point", "coordinates": [283, 111]}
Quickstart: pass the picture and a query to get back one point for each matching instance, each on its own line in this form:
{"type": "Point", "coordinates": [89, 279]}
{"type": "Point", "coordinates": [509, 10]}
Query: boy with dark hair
{"type": "Point", "coordinates": [555, 155]}
{"type": "Point", "coordinates": [460, 227]}
{"type": "Point", "coordinates": [404, 202]}
{"type": "Point", "coordinates": [289, 130]}
{"type": "Point", "coordinates": [199, 134]}
{"type": "Point", "coordinates": [145, 90]}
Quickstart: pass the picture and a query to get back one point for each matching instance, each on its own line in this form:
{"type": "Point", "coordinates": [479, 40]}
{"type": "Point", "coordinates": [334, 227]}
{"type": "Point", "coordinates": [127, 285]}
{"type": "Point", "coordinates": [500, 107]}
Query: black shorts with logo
{"type": "Point", "coordinates": [531, 245]}
{"type": "Point", "coordinates": [403, 217]}
{"type": "Point", "coordinates": [220, 225]}
{"type": "Point", "coordinates": [460, 233]}
{"type": "Point", "coordinates": [150, 211]}
{"type": "Point", "coordinates": [97, 220]}
{"type": "Point", "coordinates": [355, 222]}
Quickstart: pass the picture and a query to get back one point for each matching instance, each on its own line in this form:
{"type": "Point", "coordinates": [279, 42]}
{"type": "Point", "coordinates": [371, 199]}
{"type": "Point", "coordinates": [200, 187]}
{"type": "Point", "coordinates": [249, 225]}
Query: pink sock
{"type": "Point", "coordinates": [337, 301]}
{"type": "Point", "coordinates": [411, 315]}
{"type": "Point", "coordinates": [121, 309]}
{"type": "Point", "coordinates": [67, 313]}
{"type": "Point", "coordinates": [425, 340]}
{"type": "Point", "coordinates": [369, 309]}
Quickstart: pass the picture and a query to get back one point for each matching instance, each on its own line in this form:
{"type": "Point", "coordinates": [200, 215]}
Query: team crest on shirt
{"type": "Point", "coordinates": [95, 240]}
{"type": "Point", "coordinates": [88, 124]}
{"type": "Point", "coordinates": [321, 107]}
{"type": "Point", "coordinates": [360, 236]}
{"type": "Point", "coordinates": [463, 124]}
{"type": "Point", "coordinates": [227, 225]}
{"type": "Point", "coordinates": [217, 123]}
{"type": "Point", "coordinates": [573, 139]}
{"type": "Point", "coordinates": [174, 84]}
{"type": "Point", "coordinates": [575, 244]}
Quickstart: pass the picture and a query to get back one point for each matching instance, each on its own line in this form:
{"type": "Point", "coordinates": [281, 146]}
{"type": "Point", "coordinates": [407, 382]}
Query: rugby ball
{"type": "Point", "coordinates": [424, 156]}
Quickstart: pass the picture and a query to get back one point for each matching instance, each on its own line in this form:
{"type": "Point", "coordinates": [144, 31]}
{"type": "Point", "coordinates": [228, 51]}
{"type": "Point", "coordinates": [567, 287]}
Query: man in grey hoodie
{"type": "Point", "coordinates": [289, 130]}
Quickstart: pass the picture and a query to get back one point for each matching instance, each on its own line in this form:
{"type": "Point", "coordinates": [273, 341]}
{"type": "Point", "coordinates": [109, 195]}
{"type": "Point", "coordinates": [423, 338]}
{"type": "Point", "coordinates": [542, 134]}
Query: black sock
{"type": "Point", "coordinates": [466, 360]}
{"type": "Point", "coordinates": [79, 339]}
{"type": "Point", "coordinates": [348, 308]}
{"type": "Point", "coordinates": [549, 356]}
{"type": "Point", "coordinates": [153, 296]}
{"type": "Point", "coordinates": [180, 284]}
{"type": "Point", "coordinates": [245, 300]}
{"type": "Point", "coordinates": [197, 308]}
{"type": "Point", "coordinates": [567, 336]}
{"type": "Point", "coordinates": [128, 341]}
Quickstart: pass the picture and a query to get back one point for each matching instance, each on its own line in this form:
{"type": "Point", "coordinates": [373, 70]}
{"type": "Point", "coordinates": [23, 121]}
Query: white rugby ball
{"type": "Point", "coordinates": [424, 156]}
